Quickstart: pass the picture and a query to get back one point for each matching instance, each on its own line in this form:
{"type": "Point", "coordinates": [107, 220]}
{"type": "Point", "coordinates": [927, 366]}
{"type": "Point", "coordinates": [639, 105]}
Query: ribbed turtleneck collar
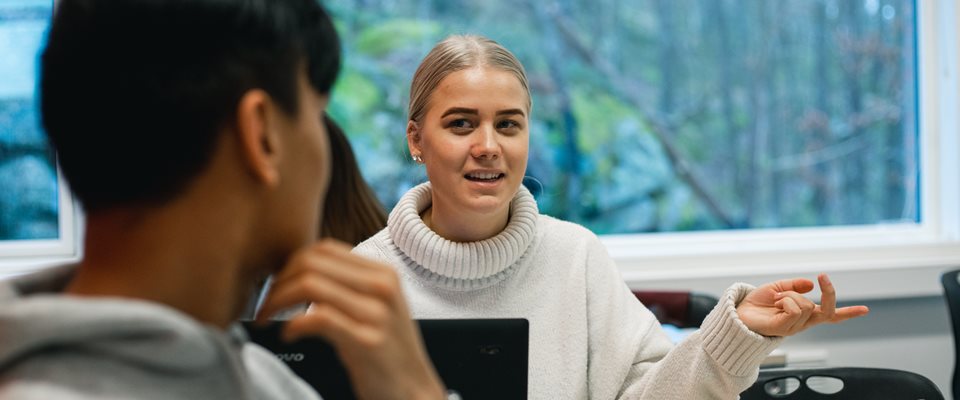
{"type": "Point", "coordinates": [461, 266]}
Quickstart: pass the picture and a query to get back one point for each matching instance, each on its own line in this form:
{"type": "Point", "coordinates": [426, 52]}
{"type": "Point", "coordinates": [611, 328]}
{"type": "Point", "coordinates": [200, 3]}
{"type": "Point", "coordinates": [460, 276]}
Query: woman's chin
{"type": "Point", "coordinates": [488, 204]}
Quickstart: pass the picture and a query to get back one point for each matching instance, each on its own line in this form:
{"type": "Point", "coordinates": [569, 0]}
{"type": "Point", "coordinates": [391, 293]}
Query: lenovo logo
{"type": "Point", "coordinates": [290, 357]}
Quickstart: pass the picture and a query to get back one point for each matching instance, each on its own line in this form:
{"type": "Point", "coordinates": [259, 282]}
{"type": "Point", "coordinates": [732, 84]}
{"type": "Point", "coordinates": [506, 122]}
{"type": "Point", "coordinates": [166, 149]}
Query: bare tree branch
{"type": "Point", "coordinates": [628, 90]}
{"type": "Point", "coordinates": [851, 138]}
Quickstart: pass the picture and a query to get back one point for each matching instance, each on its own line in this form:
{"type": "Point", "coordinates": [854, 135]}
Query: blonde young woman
{"type": "Point", "coordinates": [471, 243]}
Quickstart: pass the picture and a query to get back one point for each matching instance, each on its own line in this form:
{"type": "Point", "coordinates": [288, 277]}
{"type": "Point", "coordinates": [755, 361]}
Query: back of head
{"type": "Point", "coordinates": [134, 92]}
{"type": "Point", "coordinates": [455, 53]}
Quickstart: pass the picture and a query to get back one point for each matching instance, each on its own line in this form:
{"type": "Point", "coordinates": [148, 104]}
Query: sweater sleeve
{"type": "Point", "coordinates": [719, 361]}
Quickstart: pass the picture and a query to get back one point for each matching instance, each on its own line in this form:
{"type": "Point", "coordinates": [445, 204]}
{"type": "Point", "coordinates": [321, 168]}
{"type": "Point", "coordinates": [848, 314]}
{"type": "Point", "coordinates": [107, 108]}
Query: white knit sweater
{"type": "Point", "coordinates": [589, 336]}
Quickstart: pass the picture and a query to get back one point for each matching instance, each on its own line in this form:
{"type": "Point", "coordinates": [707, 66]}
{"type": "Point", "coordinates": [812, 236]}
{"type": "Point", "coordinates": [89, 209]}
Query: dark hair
{"type": "Point", "coordinates": [133, 93]}
{"type": "Point", "coordinates": [351, 213]}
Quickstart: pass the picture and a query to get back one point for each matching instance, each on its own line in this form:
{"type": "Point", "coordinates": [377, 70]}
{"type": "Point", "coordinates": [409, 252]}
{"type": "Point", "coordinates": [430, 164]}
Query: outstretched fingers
{"type": "Point", "coordinates": [845, 313]}
{"type": "Point", "coordinates": [781, 308]}
{"type": "Point", "coordinates": [827, 311]}
{"type": "Point", "coordinates": [828, 297]}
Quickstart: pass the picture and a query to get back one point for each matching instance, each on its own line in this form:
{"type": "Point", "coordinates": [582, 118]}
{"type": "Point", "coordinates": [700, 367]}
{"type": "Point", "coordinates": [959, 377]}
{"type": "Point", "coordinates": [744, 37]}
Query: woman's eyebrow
{"type": "Point", "coordinates": [459, 110]}
{"type": "Point", "coordinates": [512, 111]}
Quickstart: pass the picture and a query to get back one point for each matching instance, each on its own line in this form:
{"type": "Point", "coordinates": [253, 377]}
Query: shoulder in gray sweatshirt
{"type": "Point", "coordinates": [54, 346]}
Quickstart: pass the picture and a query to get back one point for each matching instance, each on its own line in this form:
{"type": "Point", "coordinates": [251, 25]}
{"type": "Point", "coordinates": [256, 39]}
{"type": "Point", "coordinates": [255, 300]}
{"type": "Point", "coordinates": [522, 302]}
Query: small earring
{"type": "Point", "coordinates": [417, 159]}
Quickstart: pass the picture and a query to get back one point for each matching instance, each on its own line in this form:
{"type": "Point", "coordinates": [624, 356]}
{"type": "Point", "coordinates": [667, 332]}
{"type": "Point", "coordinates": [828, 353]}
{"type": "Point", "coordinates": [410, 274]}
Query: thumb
{"type": "Point", "coordinates": [799, 285]}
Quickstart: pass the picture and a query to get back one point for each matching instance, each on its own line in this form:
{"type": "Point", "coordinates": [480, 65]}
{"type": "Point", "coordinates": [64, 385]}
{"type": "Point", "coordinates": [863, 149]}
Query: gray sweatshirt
{"type": "Point", "coordinates": [54, 346]}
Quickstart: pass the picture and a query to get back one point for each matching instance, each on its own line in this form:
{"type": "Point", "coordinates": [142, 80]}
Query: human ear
{"type": "Point", "coordinates": [413, 138]}
{"type": "Point", "coordinates": [256, 134]}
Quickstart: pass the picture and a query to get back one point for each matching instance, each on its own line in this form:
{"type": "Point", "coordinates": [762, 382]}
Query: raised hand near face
{"type": "Point", "coordinates": [357, 304]}
{"type": "Point", "coordinates": [780, 309]}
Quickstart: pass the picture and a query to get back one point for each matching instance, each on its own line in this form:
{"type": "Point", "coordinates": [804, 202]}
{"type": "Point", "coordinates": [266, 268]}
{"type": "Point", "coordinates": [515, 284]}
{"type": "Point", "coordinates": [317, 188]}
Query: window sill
{"type": "Point", "coordinates": [862, 273]}
{"type": "Point", "coordinates": [12, 267]}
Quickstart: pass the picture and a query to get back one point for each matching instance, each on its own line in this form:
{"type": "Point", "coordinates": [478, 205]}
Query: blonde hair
{"type": "Point", "coordinates": [455, 53]}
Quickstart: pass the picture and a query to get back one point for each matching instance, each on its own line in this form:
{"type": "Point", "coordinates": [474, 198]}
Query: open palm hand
{"type": "Point", "coordinates": [780, 309]}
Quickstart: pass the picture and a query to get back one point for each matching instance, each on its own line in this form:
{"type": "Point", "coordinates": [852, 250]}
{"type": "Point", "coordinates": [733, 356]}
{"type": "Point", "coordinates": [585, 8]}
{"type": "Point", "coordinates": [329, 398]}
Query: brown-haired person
{"type": "Point", "coordinates": [190, 131]}
{"type": "Point", "coordinates": [471, 243]}
{"type": "Point", "coordinates": [351, 213]}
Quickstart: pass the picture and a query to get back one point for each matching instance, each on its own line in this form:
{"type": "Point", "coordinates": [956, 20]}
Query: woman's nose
{"type": "Point", "coordinates": [486, 145]}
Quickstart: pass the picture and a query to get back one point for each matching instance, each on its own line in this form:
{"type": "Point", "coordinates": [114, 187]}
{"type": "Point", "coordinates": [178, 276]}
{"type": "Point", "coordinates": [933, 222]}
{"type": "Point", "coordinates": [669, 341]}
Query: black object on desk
{"type": "Point", "coordinates": [951, 291]}
{"type": "Point", "coordinates": [477, 358]}
{"type": "Point", "coordinates": [849, 383]}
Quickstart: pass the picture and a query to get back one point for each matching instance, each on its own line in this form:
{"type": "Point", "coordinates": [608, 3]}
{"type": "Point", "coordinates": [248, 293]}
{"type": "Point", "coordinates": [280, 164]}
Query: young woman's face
{"type": "Point", "coordinates": [474, 140]}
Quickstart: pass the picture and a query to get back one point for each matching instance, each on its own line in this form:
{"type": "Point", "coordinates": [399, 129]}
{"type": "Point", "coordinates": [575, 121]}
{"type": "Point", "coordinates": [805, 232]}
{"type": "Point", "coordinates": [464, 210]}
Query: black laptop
{"type": "Point", "coordinates": [477, 358]}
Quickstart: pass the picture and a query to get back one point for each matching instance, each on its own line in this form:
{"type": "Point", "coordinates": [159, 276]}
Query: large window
{"type": "Point", "coordinates": [36, 215]}
{"type": "Point", "coordinates": [702, 138]}
{"type": "Point", "coordinates": [671, 115]}
{"type": "Point", "coordinates": [706, 140]}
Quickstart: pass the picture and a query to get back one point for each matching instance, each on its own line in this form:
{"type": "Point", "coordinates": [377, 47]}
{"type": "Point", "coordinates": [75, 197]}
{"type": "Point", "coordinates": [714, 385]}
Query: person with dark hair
{"type": "Point", "coordinates": [190, 131]}
{"type": "Point", "coordinates": [351, 213]}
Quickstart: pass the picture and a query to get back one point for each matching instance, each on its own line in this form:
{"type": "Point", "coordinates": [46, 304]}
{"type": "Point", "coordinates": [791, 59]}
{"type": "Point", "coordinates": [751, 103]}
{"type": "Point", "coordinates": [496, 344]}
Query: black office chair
{"type": "Point", "coordinates": [678, 308]}
{"type": "Point", "coordinates": [841, 383]}
{"type": "Point", "coordinates": [951, 291]}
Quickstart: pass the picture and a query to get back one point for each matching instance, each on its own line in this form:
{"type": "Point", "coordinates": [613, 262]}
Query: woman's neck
{"type": "Point", "coordinates": [462, 227]}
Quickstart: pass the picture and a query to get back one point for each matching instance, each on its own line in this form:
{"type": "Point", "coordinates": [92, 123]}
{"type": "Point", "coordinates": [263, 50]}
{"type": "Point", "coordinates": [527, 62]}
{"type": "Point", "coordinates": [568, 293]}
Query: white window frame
{"type": "Point", "coordinates": [875, 261]}
{"type": "Point", "coordinates": [24, 256]}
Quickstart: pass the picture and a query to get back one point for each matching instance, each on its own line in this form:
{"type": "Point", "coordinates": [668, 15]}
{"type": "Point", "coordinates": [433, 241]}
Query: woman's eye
{"type": "Point", "coordinates": [460, 124]}
{"type": "Point", "coordinates": [507, 124]}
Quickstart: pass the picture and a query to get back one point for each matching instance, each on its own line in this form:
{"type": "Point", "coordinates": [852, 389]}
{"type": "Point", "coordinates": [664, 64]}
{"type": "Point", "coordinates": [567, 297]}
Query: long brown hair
{"type": "Point", "coordinates": [351, 213]}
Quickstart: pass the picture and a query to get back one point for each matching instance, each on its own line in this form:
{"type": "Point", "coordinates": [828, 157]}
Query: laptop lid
{"type": "Point", "coordinates": [477, 358]}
